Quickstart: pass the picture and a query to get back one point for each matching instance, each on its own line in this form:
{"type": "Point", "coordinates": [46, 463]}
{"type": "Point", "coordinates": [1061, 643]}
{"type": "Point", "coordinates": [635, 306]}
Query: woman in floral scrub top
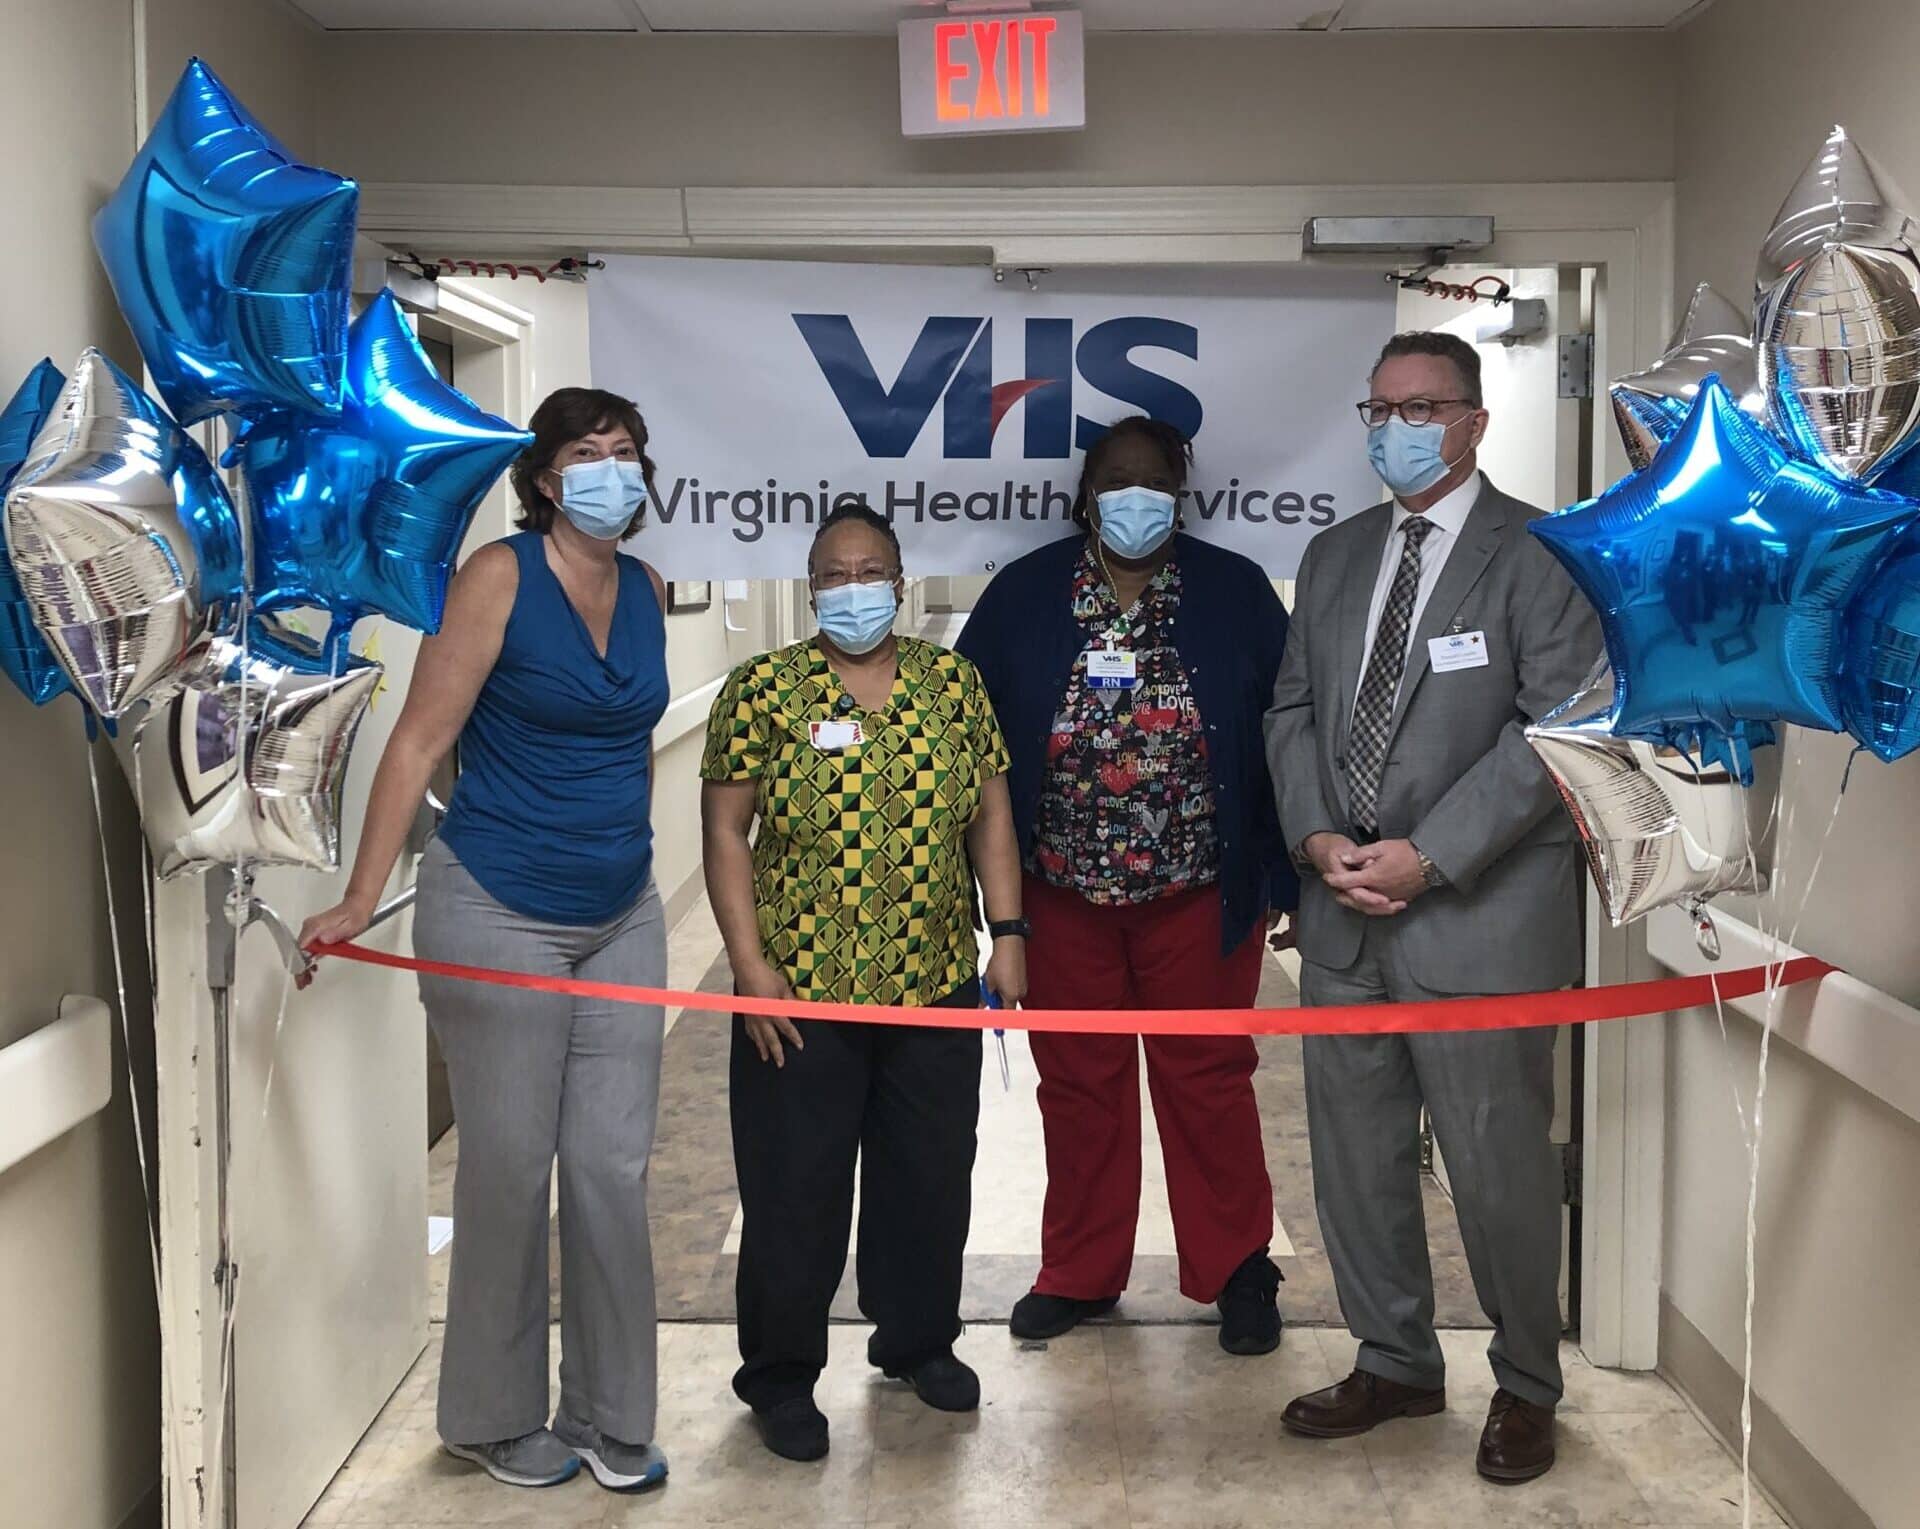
{"type": "Point", "coordinates": [1129, 668]}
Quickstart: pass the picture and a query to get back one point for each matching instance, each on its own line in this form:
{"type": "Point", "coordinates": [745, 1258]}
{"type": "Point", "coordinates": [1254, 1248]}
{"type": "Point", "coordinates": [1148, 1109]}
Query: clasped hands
{"type": "Point", "coordinates": [1377, 879]}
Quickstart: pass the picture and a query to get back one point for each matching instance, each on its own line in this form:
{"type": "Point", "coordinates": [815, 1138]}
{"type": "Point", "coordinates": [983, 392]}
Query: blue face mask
{"type": "Point", "coordinates": [601, 498]}
{"type": "Point", "coordinates": [1135, 521]}
{"type": "Point", "coordinates": [855, 617]}
{"type": "Point", "coordinates": [1410, 458]}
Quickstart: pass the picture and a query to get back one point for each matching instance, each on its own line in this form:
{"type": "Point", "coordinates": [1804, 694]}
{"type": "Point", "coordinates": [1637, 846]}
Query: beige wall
{"type": "Point", "coordinates": [264, 50]}
{"type": "Point", "coordinates": [1838, 1345]}
{"type": "Point", "coordinates": [78, 1411]}
{"type": "Point", "coordinates": [778, 111]}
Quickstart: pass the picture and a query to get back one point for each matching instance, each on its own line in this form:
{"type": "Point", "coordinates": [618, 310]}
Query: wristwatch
{"type": "Point", "coordinates": [1003, 928]}
{"type": "Point", "coordinates": [1430, 873]}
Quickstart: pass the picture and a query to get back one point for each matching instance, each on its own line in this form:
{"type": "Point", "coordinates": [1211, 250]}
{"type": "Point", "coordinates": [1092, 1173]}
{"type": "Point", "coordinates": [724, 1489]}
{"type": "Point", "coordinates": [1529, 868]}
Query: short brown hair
{"type": "Point", "coordinates": [1448, 347]}
{"type": "Point", "coordinates": [566, 415]}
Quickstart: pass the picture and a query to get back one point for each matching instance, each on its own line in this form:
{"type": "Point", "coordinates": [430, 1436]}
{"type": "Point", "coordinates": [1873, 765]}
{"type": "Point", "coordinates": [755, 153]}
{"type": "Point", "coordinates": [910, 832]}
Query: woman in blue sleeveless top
{"type": "Point", "coordinates": [550, 671]}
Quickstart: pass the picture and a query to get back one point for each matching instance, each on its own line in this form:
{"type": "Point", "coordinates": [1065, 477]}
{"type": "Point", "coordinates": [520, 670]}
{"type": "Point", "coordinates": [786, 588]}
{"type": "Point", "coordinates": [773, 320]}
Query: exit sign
{"type": "Point", "coordinates": [1013, 73]}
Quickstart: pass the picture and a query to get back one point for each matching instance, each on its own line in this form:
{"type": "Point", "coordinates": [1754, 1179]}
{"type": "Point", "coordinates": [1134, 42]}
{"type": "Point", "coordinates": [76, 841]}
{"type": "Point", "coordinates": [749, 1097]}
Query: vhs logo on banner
{"type": "Point", "coordinates": [959, 407]}
{"type": "Point", "coordinates": [951, 366]}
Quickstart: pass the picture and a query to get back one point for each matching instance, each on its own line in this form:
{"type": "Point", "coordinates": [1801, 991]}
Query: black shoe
{"type": "Point", "coordinates": [794, 1429]}
{"type": "Point", "coordinates": [942, 1382]}
{"type": "Point", "coordinates": [1250, 1307]}
{"type": "Point", "coordinates": [1037, 1316]}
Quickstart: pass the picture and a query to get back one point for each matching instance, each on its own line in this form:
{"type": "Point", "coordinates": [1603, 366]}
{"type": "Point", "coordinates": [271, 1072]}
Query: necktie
{"type": "Point", "coordinates": [1380, 685]}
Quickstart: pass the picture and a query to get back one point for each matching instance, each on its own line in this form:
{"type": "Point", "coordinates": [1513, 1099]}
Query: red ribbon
{"type": "Point", "coordinates": [1505, 1011]}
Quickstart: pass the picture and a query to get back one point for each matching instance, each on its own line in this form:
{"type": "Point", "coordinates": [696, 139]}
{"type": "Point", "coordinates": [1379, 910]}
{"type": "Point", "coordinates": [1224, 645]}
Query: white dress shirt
{"type": "Point", "coordinates": [1449, 519]}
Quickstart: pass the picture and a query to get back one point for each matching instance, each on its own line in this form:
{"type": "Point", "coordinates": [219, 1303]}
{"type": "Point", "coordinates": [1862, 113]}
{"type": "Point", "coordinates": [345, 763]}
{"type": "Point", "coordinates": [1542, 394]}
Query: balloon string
{"type": "Point", "coordinates": [148, 1194]}
{"type": "Point", "coordinates": [1719, 999]}
{"type": "Point", "coordinates": [1770, 1016]}
{"type": "Point", "coordinates": [231, 1321]}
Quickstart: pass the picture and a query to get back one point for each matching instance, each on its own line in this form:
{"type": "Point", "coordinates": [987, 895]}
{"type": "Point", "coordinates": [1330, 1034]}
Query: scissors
{"type": "Point", "coordinates": [992, 1001]}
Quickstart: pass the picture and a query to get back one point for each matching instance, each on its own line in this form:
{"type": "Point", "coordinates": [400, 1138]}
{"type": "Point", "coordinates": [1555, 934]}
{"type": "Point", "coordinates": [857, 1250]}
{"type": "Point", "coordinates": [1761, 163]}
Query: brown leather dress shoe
{"type": "Point", "coordinates": [1358, 1403]}
{"type": "Point", "coordinates": [1517, 1443]}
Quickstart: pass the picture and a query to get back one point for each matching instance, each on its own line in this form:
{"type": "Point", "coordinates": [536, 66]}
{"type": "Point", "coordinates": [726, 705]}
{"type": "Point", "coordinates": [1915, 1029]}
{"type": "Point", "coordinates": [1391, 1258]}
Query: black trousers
{"type": "Point", "coordinates": [906, 1102]}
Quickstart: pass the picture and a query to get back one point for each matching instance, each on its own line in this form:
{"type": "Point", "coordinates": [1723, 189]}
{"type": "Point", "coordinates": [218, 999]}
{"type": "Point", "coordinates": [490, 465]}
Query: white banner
{"type": "Point", "coordinates": [959, 406]}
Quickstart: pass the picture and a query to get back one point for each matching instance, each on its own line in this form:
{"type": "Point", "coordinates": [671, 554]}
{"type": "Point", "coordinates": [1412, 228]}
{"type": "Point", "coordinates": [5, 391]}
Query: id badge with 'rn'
{"type": "Point", "coordinates": [1111, 670]}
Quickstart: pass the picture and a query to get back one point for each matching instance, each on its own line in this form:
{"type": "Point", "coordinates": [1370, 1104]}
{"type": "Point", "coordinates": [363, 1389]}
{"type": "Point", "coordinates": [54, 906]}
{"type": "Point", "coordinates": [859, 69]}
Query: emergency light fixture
{"type": "Point", "coordinates": [1396, 236]}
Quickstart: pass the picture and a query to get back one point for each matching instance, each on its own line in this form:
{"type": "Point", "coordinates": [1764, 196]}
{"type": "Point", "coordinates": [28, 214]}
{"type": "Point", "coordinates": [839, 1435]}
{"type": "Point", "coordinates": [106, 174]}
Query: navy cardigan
{"type": "Point", "coordinates": [1229, 630]}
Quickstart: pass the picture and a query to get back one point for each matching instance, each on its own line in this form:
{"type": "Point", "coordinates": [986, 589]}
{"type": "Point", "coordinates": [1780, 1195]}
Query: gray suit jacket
{"type": "Point", "coordinates": [1459, 778]}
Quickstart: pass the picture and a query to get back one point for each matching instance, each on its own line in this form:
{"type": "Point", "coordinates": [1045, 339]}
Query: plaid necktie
{"type": "Point", "coordinates": [1380, 685]}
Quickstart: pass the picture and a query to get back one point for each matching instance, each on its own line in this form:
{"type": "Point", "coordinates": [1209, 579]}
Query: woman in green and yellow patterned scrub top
{"type": "Point", "coordinates": [878, 776]}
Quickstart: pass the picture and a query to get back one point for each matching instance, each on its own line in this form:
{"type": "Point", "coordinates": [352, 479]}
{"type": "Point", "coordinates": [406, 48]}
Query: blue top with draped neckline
{"type": "Point", "coordinates": [551, 813]}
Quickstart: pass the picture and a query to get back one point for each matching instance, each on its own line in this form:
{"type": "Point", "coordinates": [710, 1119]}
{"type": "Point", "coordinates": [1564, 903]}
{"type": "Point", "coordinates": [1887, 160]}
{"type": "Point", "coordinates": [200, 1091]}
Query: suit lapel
{"type": "Point", "coordinates": [1479, 540]}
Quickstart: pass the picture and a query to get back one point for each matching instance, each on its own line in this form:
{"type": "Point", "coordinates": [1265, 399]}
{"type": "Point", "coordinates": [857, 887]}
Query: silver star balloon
{"type": "Point", "coordinates": [125, 544]}
{"type": "Point", "coordinates": [1837, 315]}
{"type": "Point", "coordinates": [1657, 826]}
{"type": "Point", "coordinates": [1713, 339]}
{"type": "Point", "coordinates": [242, 761]}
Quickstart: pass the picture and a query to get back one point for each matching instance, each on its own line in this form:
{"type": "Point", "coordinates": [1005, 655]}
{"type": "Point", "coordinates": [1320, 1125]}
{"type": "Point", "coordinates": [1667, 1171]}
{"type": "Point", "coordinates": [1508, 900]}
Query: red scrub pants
{"type": "Point", "coordinates": [1159, 955]}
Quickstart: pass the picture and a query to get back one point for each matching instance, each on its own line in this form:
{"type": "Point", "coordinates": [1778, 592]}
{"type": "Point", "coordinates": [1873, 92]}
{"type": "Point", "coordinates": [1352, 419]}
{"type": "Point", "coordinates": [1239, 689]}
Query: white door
{"type": "Point", "coordinates": [326, 1192]}
{"type": "Point", "coordinates": [327, 1188]}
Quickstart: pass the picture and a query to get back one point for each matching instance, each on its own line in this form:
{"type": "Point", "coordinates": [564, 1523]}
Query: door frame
{"type": "Point", "coordinates": [186, 1042]}
{"type": "Point", "coordinates": [1623, 230]}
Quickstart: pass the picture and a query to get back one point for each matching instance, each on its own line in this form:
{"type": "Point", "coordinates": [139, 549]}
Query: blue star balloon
{"type": "Point", "coordinates": [1720, 574]}
{"type": "Point", "coordinates": [1880, 656]}
{"type": "Point", "coordinates": [231, 261]}
{"type": "Point", "coordinates": [366, 512]}
{"type": "Point", "coordinates": [24, 653]}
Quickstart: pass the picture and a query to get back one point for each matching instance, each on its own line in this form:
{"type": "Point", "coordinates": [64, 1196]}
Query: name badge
{"type": "Point", "coordinates": [1108, 669]}
{"type": "Point", "coordinates": [1457, 650]}
{"type": "Point", "coordinates": [832, 737]}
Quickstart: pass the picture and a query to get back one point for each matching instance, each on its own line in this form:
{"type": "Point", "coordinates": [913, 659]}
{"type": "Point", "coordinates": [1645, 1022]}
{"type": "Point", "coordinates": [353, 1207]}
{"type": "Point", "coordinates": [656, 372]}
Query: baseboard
{"type": "Point", "coordinates": [145, 1514]}
{"type": "Point", "coordinates": [1800, 1486]}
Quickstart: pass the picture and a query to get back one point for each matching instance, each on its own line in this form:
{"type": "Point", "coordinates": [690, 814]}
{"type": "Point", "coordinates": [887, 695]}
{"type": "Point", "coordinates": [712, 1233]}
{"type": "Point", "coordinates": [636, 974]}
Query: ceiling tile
{"type": "Point", "coordinates": [1372, 15]}
{"type": "Point", "coordinates": [472, 15]}
{"type": "Point", "coordinates": [879, 16]}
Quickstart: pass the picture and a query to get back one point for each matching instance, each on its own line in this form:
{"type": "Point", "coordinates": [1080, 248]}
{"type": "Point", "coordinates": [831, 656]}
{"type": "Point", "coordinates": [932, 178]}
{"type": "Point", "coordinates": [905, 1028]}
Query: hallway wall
{"type": "Point", "coordinates": [1838, 1348]}
{"type": "Point", "coordinates": [599, 110]}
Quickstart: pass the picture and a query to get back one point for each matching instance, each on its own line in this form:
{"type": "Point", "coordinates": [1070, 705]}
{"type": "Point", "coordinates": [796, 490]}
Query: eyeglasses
{"type": "Point", "coordinates": [1415, 411]}
{"type": "Point", "coordinates": [872, 573]}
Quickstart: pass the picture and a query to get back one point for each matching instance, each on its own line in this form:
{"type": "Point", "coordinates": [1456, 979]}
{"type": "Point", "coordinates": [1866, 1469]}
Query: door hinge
{"type": "Point", "coordinates": [1570, 1166]}
{"type": "Point", "coordinates": [1576, 366]}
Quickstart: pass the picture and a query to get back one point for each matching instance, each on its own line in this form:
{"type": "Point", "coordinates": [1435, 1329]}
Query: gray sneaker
{"type": "Point", "coordinates": [536, 1459]}
{"type": "Point", "coordinates": [617, 1467]}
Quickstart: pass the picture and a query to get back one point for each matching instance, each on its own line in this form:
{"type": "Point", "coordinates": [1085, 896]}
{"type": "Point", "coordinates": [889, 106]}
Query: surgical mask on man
{"type": "Point", "coordinates": [1135, 521]}
{"type": "Point", "coordinates": [602, 497]}
{"type": "Point", "coordinates": [1410, 458]}
{"type": "Point", "coordinates": [856, 617]}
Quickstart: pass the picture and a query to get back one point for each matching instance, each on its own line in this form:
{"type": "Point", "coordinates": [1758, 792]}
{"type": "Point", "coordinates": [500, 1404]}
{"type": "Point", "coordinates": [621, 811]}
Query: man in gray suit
{"type": "Point", "coordinates": [1427, 632]}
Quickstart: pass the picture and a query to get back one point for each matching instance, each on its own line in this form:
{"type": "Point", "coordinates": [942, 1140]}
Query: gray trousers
{"type": "Point", "coordinates": [1490, 1096]}
{"type": "Point", "coordinates": [535, 1076]}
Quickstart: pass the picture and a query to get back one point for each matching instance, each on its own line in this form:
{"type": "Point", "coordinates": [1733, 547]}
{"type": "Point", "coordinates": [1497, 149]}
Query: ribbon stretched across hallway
{"type": "Point", "coordinates": [1506, 1011]}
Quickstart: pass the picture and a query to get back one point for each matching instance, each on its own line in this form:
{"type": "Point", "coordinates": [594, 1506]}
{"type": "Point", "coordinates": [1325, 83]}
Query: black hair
{"type": "Point", "coordinates": [565, 415]}
{"type": "Point", "coordinates": [861, 513]}
{"type": "Point", "coordinates": [1448, 347]}
{"type": "Point", "coordinates": [1171, 442]}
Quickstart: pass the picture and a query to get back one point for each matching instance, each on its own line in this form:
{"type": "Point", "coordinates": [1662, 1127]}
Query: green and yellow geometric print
{"type": "Point", "coordinates": [861, 878]}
